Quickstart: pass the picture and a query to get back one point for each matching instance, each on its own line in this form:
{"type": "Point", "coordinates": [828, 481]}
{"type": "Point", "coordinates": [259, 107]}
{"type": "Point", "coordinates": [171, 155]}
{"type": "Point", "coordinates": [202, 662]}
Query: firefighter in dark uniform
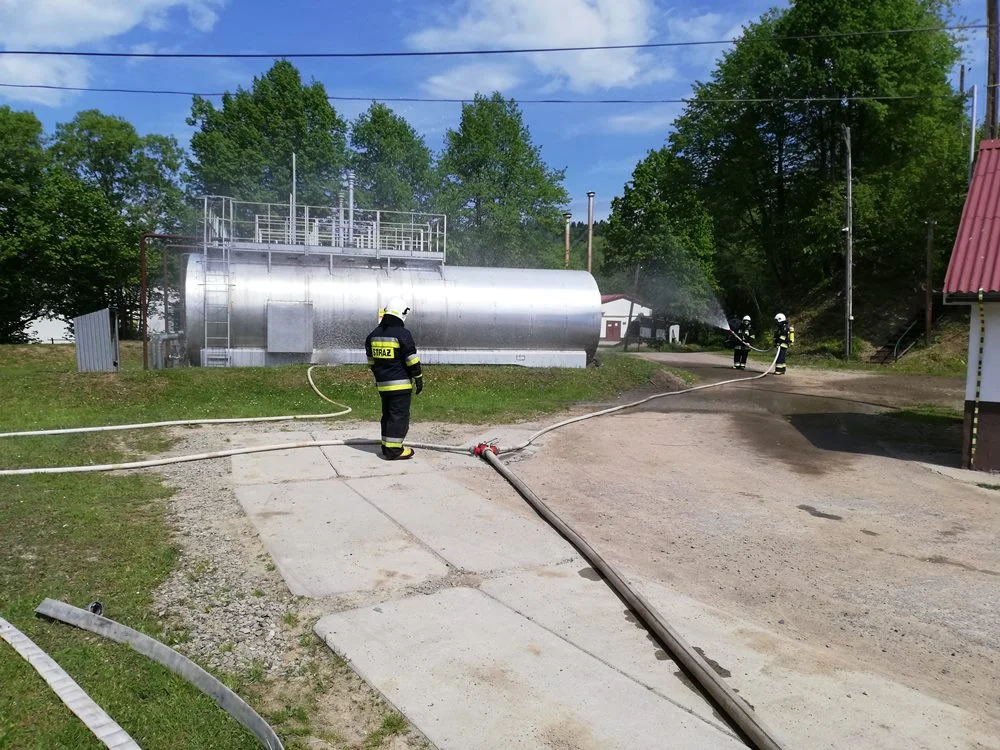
{"type": "Point", "coordinates": [784, 335]}
{"type": "Point", "coordinates": [393, 358]}
{"type": "Point", "coordinates": [744, 335]}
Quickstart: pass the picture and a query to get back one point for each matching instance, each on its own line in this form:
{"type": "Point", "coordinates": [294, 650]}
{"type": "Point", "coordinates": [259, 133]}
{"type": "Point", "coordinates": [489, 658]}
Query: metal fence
{"type": "Point", "coordinates": [370, 232]}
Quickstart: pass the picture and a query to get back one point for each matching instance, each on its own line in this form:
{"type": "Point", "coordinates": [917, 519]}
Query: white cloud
{"type": "Point", "coordinates": [464, 81]}
{"type": "Point", "coordinates": [52, 71]}
{"type": "Point", "coordinates": [67, 23]}
{"type": "Point", "coordinates": [702, 28]}
{"type": "Point", "coordinates": [615, 166]}
{"type": "Point", "coordinates": [558, 23]}
{"type": "Point", "coordinates": [649, 120]}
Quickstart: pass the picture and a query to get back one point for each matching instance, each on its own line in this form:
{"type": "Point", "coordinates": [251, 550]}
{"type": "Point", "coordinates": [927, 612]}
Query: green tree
{"type": "Point", "coordinates": [503, 202]}
{"type": "Point", "coordinates": [138, 179]}
{"type": "Point", "coordinates": [667, 232]}
{"type": "Point", "coordinates": [22, 172]}
{"type": "Point", "coordinates": [244, 149]}
{"type": "Point", "coordinates": [391, 162]}
{"type": "Point", "coordinates": [765, 152]}
{"type": "Point", "coordinates": [90, 260]}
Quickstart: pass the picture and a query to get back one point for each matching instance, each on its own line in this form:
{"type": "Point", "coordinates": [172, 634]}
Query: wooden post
{"type": "Point", "coordinates": [991, 68]}
{"type": "Point", "coordinates": [631, 304]}
{"type": "Point", "coordinates": [929, 312]}
{"type": "Point", "coordinates": [590, 231]}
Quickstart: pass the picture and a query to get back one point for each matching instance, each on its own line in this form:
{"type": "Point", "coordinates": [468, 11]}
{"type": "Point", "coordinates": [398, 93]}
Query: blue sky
{"type": "Point", "coordinates": [598, 145]}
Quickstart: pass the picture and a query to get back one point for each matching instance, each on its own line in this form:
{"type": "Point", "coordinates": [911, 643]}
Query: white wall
{"type": "Point", "coordinates": [618, 310]}
{"type": "Point", "coordinates": [990, 389]}
{"type": "Point", "coordinates": [47, 329]}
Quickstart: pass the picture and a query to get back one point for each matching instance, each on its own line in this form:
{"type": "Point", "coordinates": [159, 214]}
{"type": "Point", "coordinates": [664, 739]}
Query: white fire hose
{"type": "Point", "coordinates": [151, 463]}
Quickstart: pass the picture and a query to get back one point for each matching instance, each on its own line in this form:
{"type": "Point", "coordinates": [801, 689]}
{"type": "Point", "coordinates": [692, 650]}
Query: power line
{"type": "Point", "coordinates": [473, 52]}
{"type": "Point", "coordinates": [433, 100]}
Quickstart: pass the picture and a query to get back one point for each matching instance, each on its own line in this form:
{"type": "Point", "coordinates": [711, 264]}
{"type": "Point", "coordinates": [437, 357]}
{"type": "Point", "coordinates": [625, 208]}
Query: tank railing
{"type": "Point", "coordinates": [371, 233]}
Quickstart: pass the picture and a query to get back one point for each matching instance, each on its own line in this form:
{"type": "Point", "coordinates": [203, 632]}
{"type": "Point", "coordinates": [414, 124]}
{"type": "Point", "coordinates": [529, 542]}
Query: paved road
{"type": "Point", "coordinates": [470, 615]}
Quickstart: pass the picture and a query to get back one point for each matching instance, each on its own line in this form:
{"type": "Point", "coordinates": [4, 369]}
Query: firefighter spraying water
{"type": "Point", "coordinates": [741, 350]}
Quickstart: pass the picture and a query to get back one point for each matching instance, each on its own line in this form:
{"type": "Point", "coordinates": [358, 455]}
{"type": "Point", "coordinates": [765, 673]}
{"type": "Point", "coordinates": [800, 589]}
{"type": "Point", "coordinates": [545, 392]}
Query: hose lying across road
{"type": "Point", "coordinates": [151, 463]}
{"type": "Point", "coordinates": [737, 711]}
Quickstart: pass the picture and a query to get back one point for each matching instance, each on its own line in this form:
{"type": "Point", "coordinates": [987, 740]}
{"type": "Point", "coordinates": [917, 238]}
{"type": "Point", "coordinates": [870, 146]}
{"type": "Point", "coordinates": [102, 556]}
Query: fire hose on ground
{"type": "Point", "coordinates": [735, 709]}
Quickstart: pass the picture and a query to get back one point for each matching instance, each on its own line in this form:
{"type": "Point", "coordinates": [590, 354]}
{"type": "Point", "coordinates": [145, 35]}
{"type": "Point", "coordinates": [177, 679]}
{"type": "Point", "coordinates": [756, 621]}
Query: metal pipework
{"type": "Point", "coordinates": [567, 216]}
{"type": "Point", "coordinates": [350, 207]}
{"type": "Point", "coordinates": [340, 218]}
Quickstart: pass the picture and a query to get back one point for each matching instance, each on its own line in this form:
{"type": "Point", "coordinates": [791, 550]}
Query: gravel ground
{"type": "Point", "coordinates": [227, 607]}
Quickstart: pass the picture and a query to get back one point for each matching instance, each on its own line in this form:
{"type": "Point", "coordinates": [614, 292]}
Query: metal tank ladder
{"type": "Point", "coordinates": [218, 289]}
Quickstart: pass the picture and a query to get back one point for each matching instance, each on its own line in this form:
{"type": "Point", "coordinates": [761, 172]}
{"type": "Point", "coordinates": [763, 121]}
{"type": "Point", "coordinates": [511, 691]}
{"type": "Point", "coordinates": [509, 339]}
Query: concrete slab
{"type": "Point", "coordinates": [367, 461]}
{"type": "Point", "coordinates": [298, 465]}
{"type": "Point", "coordinates": [326, 539]}
{"type": "Point", "coordinates": [467, 530]}
{"type": "Point", "coordinates": [471, 674]}
{"type": "Point", "coordinates": [572, 601]}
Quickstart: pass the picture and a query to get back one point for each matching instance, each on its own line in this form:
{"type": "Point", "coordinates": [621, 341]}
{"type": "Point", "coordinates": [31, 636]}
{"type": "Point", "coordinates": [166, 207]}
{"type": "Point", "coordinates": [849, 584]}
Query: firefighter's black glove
{"type": "Point", "coordinates": [419, 384]}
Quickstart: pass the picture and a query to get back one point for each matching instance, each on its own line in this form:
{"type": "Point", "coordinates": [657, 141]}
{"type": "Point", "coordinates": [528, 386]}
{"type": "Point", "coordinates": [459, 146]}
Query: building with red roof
{"type": "Point", "coordinates": [974, 279]}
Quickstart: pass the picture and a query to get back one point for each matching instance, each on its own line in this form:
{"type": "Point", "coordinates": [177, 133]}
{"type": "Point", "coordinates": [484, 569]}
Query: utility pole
{"type": "Point", "coordinates": [567, 216]}
{"type": "Point", "coordinates": [972, 134]}
{"type": "Point", "coordinates": [849, 266]}
{"type": "Point", "coordinates": [590, 231]}
{"type": "Point", "coordinates": [992, 36]}
{"type": "Point", "coordinates": [631, 304]}
{"type": "Point", "coordinates": [929, 312]}
{"type": "Point", "coordinates": [961, 81]}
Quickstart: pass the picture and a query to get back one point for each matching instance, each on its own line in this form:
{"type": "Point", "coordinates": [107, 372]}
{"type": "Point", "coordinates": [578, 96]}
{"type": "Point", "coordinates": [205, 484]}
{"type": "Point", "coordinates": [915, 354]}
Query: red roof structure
{"type": "Point", "coordinates": [975, 259]}
{"type": "Point", "coordinates": [612, 297]}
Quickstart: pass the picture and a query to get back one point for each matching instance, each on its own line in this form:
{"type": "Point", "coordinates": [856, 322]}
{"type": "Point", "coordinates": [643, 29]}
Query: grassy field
{"type": "Point", "coordinates": [81, 538]}
{"type": "Point", "coordinates": [946, 357]}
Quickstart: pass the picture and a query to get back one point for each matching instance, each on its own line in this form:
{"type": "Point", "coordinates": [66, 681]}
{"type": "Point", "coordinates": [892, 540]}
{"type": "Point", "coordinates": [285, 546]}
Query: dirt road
{"type": "Point", "coordinates": [798, 505]}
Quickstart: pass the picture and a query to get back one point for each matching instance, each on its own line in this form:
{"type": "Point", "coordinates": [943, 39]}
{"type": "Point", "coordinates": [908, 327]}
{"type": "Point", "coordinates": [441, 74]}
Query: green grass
{"type": "Point", "coordinates": [103, 537]}
{"type": "Point", "coordinates": [81, 538]}
{"type": "Point", "coordinates": [989, 486]}
{"type": "Point", "coordinates": [51, 394]}
{"type": "Point", "coordinates": [391, 725]}
{"type": "Point", "coordinates": [913, 364]}
{"type": "Point", "coordinates": [930, 414]}
{"type": "Point", "coordinates": [946, 357]}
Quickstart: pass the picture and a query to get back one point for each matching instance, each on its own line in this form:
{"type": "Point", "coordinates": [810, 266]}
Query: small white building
{"type": "Point", "coordinates": [615, 316]}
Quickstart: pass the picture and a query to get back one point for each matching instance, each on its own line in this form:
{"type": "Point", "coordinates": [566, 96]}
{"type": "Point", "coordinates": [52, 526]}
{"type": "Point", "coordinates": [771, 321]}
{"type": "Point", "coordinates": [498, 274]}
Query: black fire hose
{"type": "Point", "coordinates": [740, 716]}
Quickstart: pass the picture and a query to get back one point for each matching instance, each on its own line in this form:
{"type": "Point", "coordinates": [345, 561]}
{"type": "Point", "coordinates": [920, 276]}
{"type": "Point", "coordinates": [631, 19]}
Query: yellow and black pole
{"type": "Point", "coordinates": [979, 382]}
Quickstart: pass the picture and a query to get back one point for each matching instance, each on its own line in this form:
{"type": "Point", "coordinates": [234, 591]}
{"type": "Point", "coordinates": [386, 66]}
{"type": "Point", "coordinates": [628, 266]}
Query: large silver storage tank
{"type": "Point", "coordinates": [317, 310]}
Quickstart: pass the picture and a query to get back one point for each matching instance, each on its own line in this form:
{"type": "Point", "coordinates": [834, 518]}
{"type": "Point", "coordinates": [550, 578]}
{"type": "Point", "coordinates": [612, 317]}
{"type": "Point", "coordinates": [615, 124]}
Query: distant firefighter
{"type": "Point", "coordinates": [784, 336]}
{"type": "Point", "coordinates": [741, 350]}
{"type": "Point", "coordinates": [392, 356]}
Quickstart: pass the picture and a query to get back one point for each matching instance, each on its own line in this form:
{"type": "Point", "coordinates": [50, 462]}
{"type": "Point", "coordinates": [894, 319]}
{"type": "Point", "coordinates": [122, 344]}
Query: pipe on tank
{"type": "Point", "coordinates": [340, 218]}
{"type": "Point", "coordinates": [350, 207]}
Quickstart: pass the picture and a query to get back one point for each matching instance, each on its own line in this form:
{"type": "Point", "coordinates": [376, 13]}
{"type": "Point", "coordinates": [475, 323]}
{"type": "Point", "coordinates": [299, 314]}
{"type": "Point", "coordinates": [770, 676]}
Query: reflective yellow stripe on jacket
{"type": "Point", "coordinates": [393, 385]}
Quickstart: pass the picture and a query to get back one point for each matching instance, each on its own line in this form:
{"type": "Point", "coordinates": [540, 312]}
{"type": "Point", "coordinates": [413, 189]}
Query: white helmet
{"type": "Point", "coordinates": [746, 318]}
{"type": "Point", "coordinates": [398, 308]}
{"type": "Point", "coordinates": [780, 317]}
